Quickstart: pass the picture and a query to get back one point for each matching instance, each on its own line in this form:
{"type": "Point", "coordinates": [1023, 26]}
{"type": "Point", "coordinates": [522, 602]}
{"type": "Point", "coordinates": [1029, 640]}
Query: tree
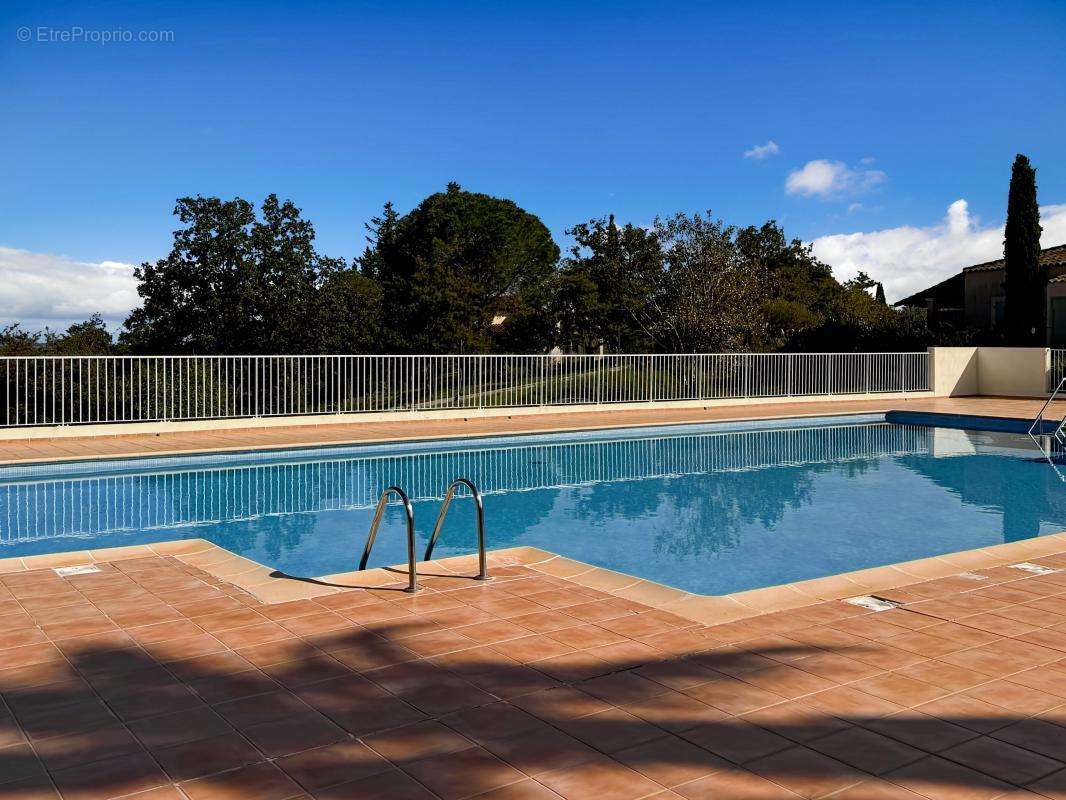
{"type": "Point", "coordinates": [380, 241]}
{"type": "Point", "coordinates": [713, 294]}
{"type": "Point", "coordinates": [691, 283]}
{"type": "Point", "coordinates": [859, 322]}
{"type": "Point", "coordinates": [454, 266]}
{"type": "Point", "coordinates": [613, 289]}
{"type": "Point", "coordinates": [800, 291]}
{"type": "Point", "coordinates": [232, 283]}
{"type": "Point", "coordinates": [575, 309]}
{"type": "Point", "coordinates": [88, 338]}
{"type": "Point", "coordinates": [879, 295]}
{"type": "Point", "coordinates": [349, 314]}
{"type": "Point", "coordinates": [1024, 289]}
{"type": "Point", "coordinates": [17, 341]}
{"type": "Point", "coordinates": [807, 309]}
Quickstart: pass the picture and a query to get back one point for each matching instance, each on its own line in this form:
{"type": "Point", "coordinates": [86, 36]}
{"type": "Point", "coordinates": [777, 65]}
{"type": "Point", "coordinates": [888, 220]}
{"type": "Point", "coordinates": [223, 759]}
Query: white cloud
{"type": "Point", "coordinates": [42, 288]}
{"type": "Point", "coordinates": [761, 151]}
{"type": "Point", "coordinates": [829, 179]}
{"type": "Point", "coordinates": [908, 259]}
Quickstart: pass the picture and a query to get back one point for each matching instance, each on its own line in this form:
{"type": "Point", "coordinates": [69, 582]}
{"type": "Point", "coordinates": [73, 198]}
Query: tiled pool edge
{"type": "Point", "coordinates": [269, 587]}
{"type": "Point", "coordinates": [716, 609]}
{"type": "Point", "coordinates": [236, 458]}
{"type": "Point", "coordinates": [223, 456]}
{"type": "Point", "coordinates": [313, 444]}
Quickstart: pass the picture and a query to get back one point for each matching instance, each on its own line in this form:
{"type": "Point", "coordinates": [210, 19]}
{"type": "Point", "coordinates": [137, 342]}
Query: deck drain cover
{"type": "Point", "coordinates": [1036, 569]}
{"type": "Point", "coordinates": [83, 569]}
{"type": "Point", "coordinates": [873, 603]}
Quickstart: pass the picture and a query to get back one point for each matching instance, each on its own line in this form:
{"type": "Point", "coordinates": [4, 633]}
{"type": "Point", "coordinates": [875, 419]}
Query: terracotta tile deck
{"type": "Point", "coordinates": [118, 445]}
{"type": "Point", "coordinates": [155, 679]}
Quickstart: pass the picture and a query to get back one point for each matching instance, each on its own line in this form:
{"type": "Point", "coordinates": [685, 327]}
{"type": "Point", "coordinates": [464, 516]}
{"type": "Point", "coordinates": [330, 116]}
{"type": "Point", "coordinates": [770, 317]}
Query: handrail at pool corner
{"type": "Point", "coordinates": [1038, 425]}
{"type": "Point", "coordinates": [412, 573]}
{"type": "Point", "coordinates": [483, 574]}
{"type": "Point", "coordinates": [1040, 414]}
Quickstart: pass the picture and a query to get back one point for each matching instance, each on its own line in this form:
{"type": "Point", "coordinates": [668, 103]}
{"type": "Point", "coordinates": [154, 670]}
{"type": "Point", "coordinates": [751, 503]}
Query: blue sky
{"type": "Point", "coordinates": [572, 110]}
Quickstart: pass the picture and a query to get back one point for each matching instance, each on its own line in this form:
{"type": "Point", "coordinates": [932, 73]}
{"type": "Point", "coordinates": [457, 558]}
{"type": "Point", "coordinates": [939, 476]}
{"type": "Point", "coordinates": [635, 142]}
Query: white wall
{"type": "Point", "coordinates": [1012, 371]}
{"type": "Point", "coordinates": [954, 371]}
{"type": "Point", "coordinates": [998, 371]}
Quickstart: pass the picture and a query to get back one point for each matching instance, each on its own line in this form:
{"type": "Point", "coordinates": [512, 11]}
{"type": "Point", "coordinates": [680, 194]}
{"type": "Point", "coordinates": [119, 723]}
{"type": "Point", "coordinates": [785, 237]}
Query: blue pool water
{"type": "Point", "coordinates": [710, 509]}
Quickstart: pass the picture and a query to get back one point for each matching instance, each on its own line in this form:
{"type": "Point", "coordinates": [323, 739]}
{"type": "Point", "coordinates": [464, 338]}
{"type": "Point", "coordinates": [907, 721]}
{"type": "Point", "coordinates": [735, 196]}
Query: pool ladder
{"type": "Point", "coordinates": [1057, 435]}
{"type": "Point", "coordinates": [412, 572]}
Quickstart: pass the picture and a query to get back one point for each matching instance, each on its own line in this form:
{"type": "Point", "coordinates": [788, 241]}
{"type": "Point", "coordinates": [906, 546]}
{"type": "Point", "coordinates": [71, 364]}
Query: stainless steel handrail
{"type": "Point", "coordinates": [1040, 415]}
{"type": "Point", "coordinates": [412, 574]}
{"type": "Point", "coordinates": [1038, 425]}
{"type": "Point", "coordinates": [482, 574]}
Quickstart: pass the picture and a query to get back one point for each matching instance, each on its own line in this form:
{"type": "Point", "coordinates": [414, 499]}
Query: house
{"type": "Point", "coordinates": [974, 297]}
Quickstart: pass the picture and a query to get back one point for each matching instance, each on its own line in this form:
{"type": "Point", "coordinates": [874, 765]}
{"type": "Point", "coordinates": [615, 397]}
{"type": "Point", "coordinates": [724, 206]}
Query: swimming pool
{"type": "Point", "coordinates": [710, 509]}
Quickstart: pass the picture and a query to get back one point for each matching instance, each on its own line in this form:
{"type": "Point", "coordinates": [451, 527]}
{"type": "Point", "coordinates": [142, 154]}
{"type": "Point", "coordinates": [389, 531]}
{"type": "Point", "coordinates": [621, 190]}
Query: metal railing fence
{"type": "Point", "coordinates": [1057, 370]}
{"type": "Point", "coordinates": [75, 390]}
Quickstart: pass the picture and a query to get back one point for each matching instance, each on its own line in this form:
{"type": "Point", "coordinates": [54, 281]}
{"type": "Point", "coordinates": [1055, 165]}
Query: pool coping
{"type": "Point", "coordinates": [400, 439]}
{"type": "Point", "coordinates": [270, 586]}
{"type": "Point", "coordinates": [21, 469]}
{"type": "Point", "coordinates": [110, 466]}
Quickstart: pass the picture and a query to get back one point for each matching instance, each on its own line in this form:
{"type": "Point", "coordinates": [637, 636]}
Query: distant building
{"type": "Point", "coordinates": [974, 298]}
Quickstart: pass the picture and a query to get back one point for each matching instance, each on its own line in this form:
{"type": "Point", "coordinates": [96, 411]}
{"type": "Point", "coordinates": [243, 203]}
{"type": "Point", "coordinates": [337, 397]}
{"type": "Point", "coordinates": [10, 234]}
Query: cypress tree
{"type": "Point", "coordinates": [1025, 286]}
{"type": "Point", "coordinates": [879, 294]}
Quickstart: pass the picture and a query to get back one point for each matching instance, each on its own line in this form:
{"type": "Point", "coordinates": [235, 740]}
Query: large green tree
{"type": "Point", "coordinates": [800, 291]}
{"type": "Point", "coordinates": [713, 292]}
{"type": "Point", "coordinates": [348, 314]}
{"type": "Point", "coordinates": [234, 282]}
{"type": "Point", "coordinates": [1024, 288]}
{"type": "Point", "coordinates": [611, 289]}
{"type": "Point", "coordinates": [463, 272]}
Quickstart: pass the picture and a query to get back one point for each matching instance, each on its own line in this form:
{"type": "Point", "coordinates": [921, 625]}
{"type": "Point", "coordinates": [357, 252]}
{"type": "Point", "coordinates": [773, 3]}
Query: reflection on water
{"type": "Point", "coordinates": [703, 510]}
{"type": "Point", "coordinates": [101, 505]}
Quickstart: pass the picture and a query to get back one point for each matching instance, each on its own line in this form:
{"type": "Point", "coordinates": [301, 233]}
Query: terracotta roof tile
{"type": "Point", "coordinates": [1049, 256]}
